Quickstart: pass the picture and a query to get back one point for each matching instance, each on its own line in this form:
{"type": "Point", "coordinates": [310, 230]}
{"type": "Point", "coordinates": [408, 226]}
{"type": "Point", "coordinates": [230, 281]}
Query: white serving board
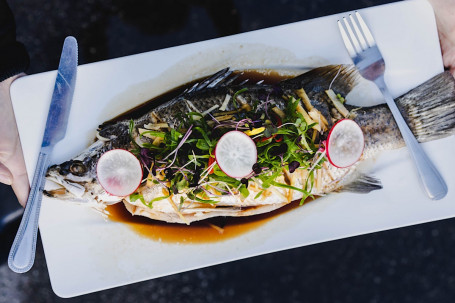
{"type": "Point", "coordinates": [84, 253]}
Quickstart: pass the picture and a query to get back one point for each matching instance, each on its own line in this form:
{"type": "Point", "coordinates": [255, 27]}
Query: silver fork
{"type": "Point", "coordinates": [368, 60]}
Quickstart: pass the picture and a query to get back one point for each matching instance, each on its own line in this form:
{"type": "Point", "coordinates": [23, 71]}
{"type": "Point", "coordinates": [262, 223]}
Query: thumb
{"type": "Point", "coordinates": [6, 176]}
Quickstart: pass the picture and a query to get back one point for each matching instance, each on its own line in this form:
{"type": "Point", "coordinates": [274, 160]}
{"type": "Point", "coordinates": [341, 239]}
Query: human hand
{"type": "Point", "coordinates": [12, 164]}
{"type": "Point", "coordinates": [444, 11]}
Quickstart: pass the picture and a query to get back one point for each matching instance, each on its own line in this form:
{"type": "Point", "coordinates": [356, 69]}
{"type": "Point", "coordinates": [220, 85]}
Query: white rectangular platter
{"type": "Point", "coordinates": [85, 253]}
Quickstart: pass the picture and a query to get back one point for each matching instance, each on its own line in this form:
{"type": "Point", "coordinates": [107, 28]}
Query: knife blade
{"type": "Point", "coordinates": [22, 253]}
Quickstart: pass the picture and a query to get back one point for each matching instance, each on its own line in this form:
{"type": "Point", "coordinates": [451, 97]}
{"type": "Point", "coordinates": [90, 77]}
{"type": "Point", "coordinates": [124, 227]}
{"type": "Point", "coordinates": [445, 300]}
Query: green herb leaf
{"type": "Point", "coordinates": [202, 144]}
{"type": "Point", "coordinates": [204, 135]}
{"type": "Point", "coordinates": [130, 131]}
{"type": "Point", "coordinates": [135, 196]}
{"type": "Point", "coordinates": [150, 204]}
{"type": "Point", "coordinates": [340, 98]}
{"type": "Point", "coordinates": [151, 146]}
{"type": "Point", "coordinates": [192, 196]}
{"type": "Point", "coordinates": [182, 184]}
{"type": "Point", "coordinates": [244, 191]}
{"type": "Point", "coordinates": [231, 181]}
{"type": "Point", "coordinates": [175, 135]}
{"type": "Point", "coordinates": [258, 194]}
{"type": "Point", "coordinates": [287, 186]}
{"type": "Point", "coordinates": [270, 130]}
{"type": "Point", "coordinates": [154, 133]}
{"type": "Point", "coordinates": [182, 200]}
{"type": "Point", "coordinates": [234, 98]}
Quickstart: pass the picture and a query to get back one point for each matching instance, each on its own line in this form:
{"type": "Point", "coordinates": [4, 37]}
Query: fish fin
{"type": "Point", "coordinates": [212, 81]}
{"type": "Point", "coordinates": [429, 108]}
{"type": "Point", "coordinates": [340, 78]}
{"type": "Point", "coordinates": [362, 185]}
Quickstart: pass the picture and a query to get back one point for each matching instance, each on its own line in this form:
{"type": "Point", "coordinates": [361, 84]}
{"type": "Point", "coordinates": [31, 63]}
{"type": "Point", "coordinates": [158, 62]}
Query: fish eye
{"type": "Point", "coordinates": [78, 168]}
{"type": "Point", "coordinates": [64, 168]}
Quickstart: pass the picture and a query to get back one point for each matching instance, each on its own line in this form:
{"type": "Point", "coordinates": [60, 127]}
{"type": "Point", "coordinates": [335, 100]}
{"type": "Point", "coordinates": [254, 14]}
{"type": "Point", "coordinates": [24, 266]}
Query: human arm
{"type": "Point", "coordinates": [13, 61]}
{"type": "Point", "coordinates": [444, 11]}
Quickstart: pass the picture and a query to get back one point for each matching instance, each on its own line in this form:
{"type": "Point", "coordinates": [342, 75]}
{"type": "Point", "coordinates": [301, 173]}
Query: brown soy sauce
{"type": "Point", "coordinates": [197, 232]}
{"type": "Point", "coordinates": [206, 231]}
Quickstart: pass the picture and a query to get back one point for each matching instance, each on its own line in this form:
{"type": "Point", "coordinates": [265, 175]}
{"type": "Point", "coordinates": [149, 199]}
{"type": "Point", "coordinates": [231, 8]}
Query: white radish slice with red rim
{"type": "Point", "coordinates": [235, 154]}
{"type": "Point", "coordinates": [345, 143]}
{"type": "Point", "coordinates": [119, 172]}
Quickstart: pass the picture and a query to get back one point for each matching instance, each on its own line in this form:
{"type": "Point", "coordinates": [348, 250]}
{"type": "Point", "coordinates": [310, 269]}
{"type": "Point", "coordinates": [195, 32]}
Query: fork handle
{"type": "Point", "coordinates": [430, 177]}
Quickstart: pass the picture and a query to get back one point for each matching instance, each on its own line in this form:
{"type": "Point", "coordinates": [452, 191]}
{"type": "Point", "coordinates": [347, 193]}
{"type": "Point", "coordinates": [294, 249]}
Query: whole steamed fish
{"type": "Point", "coordinates": [289, 123]}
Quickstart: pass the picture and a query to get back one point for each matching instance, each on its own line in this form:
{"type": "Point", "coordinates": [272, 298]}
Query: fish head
{"type": "Point", "coordinates": [75, 180]}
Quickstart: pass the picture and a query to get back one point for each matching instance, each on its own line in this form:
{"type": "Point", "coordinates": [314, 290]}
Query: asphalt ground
{"type": "Point", "coordinates": [412, 264]}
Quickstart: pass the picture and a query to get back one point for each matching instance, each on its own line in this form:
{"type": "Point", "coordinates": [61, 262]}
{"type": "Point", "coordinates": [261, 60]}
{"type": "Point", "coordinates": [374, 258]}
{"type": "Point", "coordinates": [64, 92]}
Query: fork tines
{"type": "Point", "coordinates": [361, 40]}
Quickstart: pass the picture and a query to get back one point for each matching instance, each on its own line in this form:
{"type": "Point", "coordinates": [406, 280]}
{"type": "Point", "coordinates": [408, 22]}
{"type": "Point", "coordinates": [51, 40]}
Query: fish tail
{"type": "Point", "coordinates": [429, 108]}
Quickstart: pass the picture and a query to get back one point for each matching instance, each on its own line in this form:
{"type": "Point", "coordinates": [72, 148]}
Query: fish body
{"type": "Point", "coordinates": [429, 111]}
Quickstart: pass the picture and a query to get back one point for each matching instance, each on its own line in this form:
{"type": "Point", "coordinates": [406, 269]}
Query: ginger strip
{"type": "Point", "coordinates": [307, 118]}
{"type": "Point", "coordinates": [304, 97]}
{"type": "Point", "coordinates": [338, 105]}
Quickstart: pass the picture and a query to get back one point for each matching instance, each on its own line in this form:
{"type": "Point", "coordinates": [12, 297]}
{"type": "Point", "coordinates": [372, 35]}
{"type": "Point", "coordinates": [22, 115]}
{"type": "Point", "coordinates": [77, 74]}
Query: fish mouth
{"type": "Point", "coordinates": [86, 191]}
{"type": "Point", "coordinates": [59, 187]}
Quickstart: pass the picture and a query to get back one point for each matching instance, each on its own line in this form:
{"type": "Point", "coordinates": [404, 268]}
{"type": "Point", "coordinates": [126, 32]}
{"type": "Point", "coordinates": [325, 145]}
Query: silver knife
{"type": "Point", "coordinates": [22, 254]}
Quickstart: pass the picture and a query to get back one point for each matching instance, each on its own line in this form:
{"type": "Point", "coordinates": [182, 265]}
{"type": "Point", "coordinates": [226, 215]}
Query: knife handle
{"type": "Point", "coordinates": [22, 253]}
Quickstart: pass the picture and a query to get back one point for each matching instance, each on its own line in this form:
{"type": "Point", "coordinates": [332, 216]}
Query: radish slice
{"type": "Point", "coordinates": [235, 154]}
{"type": "Point", "coordinates": [345, 143]}
{"type": "Point", "coordinates": [119, 172]}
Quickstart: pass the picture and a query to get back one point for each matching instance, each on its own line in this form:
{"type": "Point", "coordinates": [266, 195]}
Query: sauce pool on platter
{"type": "Point", "coordinates": [207, 231]}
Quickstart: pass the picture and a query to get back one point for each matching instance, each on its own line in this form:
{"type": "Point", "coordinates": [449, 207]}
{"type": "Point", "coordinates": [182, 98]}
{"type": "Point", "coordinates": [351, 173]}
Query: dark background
{"type": "Point", "coordinates": [413, 264]}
